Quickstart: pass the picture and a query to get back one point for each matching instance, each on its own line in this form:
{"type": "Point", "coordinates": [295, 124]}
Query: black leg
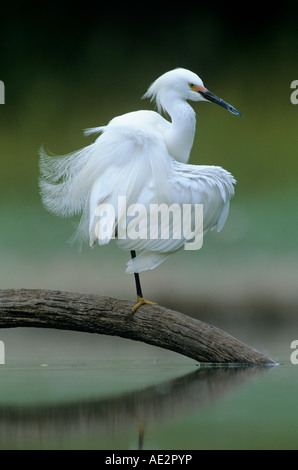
{"type": "Point", "coordinates": [137, 278]}
{"type": "Point", "coordinates": [140, 299]}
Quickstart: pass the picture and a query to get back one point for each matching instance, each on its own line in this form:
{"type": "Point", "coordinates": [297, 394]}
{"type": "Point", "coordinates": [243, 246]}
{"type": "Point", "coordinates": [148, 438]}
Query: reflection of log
{"type": "Point", "coordinates": [151, 324]}
{"type": "Point", "coordinates": [149, 406]}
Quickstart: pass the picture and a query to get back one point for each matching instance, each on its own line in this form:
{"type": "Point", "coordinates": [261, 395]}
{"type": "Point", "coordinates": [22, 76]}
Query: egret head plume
{"type": "Point", "coordinates": [175, 84]}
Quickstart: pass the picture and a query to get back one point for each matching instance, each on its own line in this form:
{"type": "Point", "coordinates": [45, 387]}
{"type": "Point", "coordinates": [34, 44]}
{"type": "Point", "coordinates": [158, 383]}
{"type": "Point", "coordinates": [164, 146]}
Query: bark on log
{"type": "Point", "coordinates": [103, 315]}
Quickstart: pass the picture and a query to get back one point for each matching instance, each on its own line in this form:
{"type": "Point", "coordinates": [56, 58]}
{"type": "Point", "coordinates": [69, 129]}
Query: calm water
{"type": "Point", "coordinates": [67, 390]}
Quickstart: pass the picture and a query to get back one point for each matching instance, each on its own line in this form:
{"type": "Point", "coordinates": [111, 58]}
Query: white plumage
{"type": "Point", "coordinates": [142, 156]}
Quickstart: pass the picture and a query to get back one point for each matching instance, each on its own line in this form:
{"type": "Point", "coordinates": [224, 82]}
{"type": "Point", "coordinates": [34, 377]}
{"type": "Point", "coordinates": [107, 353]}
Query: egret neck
{"type": "Point", "coordinates": [180, 136]}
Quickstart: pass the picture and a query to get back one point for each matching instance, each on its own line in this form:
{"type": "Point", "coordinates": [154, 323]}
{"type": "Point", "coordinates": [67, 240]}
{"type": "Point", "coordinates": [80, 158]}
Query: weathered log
{"type": "Point", "coordinates": [104, 315]}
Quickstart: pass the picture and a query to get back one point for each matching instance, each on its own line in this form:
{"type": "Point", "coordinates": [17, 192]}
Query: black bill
{"type": "Point", "coordinates": [214, 99]}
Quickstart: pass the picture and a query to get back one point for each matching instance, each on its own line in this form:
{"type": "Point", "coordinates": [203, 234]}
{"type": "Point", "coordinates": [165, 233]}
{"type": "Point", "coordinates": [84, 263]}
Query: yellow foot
{"type": "Point", "coordinates": [141, 301]}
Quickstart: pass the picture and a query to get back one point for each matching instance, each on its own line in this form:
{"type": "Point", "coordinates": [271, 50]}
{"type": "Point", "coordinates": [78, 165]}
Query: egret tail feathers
{"type": "Point", "coordinates": [145, 261]}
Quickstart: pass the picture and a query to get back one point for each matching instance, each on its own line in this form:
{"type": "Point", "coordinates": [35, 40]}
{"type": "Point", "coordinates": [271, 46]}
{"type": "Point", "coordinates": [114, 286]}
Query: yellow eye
{"type": "Point", "coordinates": [192, 86]}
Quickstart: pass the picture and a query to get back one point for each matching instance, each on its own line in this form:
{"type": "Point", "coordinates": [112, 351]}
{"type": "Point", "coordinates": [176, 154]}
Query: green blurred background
{"type": "Point", "coordinates": [74, 66]}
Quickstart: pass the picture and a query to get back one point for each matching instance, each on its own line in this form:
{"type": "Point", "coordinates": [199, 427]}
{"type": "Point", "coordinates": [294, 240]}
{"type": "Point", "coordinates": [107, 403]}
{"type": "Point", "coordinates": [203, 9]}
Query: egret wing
{"type": "Point", "coordinates": [124, 160]}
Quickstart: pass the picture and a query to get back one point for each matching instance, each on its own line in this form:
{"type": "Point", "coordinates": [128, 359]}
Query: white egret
{"type": "Point", "coordinates": [142, 157]}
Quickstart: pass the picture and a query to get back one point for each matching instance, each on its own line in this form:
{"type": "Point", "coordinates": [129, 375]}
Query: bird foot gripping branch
{"type": "Point", "coordinates": [141, 301]}
{"type": "Point", "coordinates": [140, 298]}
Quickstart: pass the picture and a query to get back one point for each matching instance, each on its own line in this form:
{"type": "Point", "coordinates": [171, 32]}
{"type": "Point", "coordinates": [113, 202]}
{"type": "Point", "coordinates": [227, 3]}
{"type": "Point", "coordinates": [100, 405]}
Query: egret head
{"type": "Point", "coordinates": [182, 84]}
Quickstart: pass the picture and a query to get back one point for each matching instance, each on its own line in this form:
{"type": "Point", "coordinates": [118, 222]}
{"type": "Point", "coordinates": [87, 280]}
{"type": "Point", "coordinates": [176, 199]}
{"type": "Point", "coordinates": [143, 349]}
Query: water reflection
{"type": "Point", "coordinates": [139, 409]}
